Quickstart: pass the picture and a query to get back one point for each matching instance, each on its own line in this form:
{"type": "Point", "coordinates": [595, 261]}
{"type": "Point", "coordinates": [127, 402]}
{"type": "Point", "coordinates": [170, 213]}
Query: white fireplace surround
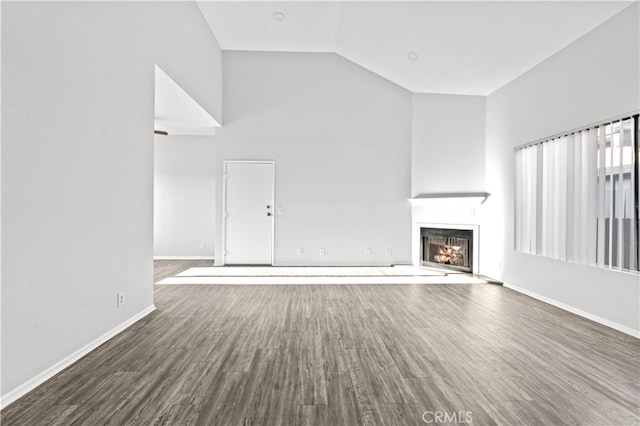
{"type": "Point", "coordinates": [476, 240]}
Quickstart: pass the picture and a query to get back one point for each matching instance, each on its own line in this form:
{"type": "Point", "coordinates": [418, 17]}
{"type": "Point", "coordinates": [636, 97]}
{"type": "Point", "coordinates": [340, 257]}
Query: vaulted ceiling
{"type": "Point", "coordinates": [456, 47]}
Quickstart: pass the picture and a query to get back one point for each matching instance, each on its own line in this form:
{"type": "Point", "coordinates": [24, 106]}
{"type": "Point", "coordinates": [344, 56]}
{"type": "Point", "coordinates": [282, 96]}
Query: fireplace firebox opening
{"type": "Point", "coordinates": [447, 248]}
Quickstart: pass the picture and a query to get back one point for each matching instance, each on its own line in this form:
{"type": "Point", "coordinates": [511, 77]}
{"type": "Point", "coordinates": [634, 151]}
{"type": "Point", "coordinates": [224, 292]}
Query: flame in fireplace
{"type": "Point", "coordinates": [448, 255]}
{"type": "Point", "coordinates": [450, 248]}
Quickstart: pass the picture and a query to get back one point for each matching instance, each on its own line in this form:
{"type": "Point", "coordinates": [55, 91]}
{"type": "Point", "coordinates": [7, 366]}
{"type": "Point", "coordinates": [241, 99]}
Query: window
{"type": "Point", "coordinates": [576, 196]}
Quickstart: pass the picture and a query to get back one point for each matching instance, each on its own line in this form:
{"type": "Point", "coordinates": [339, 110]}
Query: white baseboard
{"type": "Point", "coordinates": [612, 324]}
{"type": "Point", "coordinates": [36, 381]}
{"type": "Point", "coordinates": [183, 258]}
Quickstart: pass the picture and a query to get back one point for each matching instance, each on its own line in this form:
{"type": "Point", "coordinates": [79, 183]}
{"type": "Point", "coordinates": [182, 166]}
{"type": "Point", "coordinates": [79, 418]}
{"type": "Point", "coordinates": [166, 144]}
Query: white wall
{"type": "Point", "coordinates": [183, 202]}
{"type": "Point", "coordinates": [448, 134]}
{"type": "Point", "coordinates": [77, 167]}
{"type": "Point", "coordinates": [341, 140]}
{"type": "Point", "coordinates": [594, 79]}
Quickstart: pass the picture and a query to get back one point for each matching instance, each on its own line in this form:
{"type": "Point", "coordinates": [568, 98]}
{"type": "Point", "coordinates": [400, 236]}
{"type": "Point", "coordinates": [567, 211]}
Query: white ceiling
{"type": "Point", "coordinates": [176, 112]}
{"type": "Point", "coordinates": [463, 47]}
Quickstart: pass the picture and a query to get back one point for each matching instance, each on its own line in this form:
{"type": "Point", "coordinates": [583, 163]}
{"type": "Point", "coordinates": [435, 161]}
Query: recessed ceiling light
{"type": "Point", "coordinates": [412, 56]}
{"type": "Point", "coordinates": [278, 16]}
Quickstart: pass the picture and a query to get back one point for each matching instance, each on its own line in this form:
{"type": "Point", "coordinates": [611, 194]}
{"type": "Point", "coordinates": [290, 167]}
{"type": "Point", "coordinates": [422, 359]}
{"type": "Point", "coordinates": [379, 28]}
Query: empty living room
{"type": "Point", "coordinates": [320, 213]}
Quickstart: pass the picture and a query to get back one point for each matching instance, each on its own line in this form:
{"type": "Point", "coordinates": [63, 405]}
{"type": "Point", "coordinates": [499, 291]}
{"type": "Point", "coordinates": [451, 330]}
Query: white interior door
{"type": "Point", "coordinates": [248, 212]}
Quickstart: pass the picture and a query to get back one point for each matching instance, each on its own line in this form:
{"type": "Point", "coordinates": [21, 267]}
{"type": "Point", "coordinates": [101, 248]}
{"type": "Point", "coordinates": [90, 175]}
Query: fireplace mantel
{"type": "Point", "coordinates": [472, 198]}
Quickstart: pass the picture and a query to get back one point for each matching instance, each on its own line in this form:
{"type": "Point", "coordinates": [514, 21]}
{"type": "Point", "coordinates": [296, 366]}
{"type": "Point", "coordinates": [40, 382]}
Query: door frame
{"type": "Point", "coordinates": [224, 204]}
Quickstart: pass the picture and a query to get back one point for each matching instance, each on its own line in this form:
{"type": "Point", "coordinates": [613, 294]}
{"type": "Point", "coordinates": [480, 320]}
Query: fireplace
{"type": "Point", "coordinates": [447, 248]}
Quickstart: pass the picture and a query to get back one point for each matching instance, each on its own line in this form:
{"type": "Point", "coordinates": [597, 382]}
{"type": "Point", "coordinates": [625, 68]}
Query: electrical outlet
{"type": "Point", "coordinates": [300, 251]}
{"type": "Point", "coordinates": [203, 246]}
{"type": "Point", "coordinates": [322, 252]}
{"type": "Point", "coordinates": [368, 251]}
{"type": "Point", "coordinates": [388, 252]}
{"type": "Point", "coordinates": [120, 299]}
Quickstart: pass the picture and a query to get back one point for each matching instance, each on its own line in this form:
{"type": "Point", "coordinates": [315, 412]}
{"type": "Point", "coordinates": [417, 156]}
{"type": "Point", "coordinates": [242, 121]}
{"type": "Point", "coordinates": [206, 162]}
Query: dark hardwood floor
{"type": "Point", "coordinates": [347, 355]}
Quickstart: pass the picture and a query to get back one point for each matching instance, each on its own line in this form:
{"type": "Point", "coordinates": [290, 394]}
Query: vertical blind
{"type": "Point", "coordinates": [576, 196]}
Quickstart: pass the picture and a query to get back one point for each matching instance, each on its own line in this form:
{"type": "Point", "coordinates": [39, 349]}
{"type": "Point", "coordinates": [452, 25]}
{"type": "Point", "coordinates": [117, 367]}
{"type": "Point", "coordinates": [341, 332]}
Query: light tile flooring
{"type": "Point", "coordinates": [305, 271]}
{"type": "Point", "coordinates": [261, 275]}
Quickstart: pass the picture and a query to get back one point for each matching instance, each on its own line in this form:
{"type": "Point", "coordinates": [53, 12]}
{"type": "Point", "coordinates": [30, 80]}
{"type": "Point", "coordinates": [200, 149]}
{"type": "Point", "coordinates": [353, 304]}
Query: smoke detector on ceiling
{"type": "Point", "coordinates": [278, 16]}
{"type": "Point", "coordinates": [412, 56]}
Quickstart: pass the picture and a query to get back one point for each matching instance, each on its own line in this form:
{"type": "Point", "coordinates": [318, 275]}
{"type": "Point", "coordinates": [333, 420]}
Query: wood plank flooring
{"type": "Point", "coordinates": [347, 355]}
